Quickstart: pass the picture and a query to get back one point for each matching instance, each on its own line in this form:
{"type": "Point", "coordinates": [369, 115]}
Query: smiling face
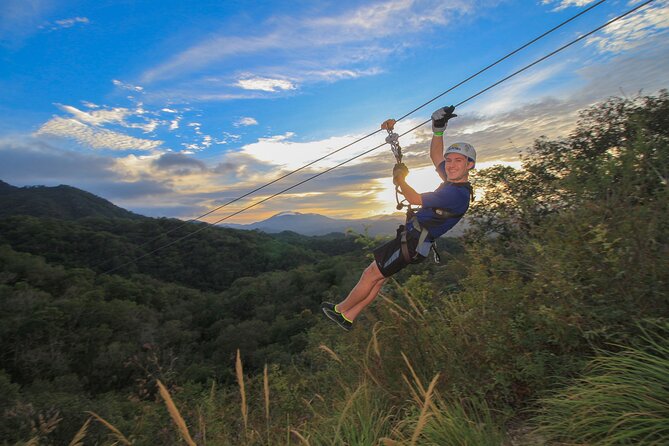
{"type": "Point", "coordinates": [457, 167]}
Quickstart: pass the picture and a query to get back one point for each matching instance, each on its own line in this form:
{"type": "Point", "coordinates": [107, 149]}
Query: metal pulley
{"type": "Point", "coordinates": [393, 139]}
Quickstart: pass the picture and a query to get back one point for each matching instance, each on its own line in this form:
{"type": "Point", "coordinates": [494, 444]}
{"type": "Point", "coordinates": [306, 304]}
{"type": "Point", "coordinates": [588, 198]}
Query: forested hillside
{"type": "Point", "coordinates": [550, 327]}
{"type": "Point", "coordinates": [64, 202]}
{"type": "Point", "coordinates": [210, 260]}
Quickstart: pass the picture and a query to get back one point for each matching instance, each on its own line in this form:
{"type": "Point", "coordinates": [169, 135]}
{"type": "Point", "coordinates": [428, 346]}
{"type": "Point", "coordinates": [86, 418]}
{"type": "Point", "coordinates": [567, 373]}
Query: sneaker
{"type": "Point", "coordinates": [335, 316]}
{"type": "Point", "coordinates": [330, 306]}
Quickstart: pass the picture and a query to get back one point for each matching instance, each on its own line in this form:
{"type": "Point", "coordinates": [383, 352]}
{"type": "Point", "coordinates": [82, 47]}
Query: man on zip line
{"type": "Point", "coordinates": [439, 211]}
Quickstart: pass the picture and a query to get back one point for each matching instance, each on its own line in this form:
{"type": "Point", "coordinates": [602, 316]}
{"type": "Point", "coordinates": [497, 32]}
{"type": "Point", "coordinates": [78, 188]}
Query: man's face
{"type": "Point", "coordinates": [457, 167]}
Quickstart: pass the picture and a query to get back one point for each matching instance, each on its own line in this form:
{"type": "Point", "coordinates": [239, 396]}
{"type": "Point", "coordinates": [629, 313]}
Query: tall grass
{"type": "Point", "coordinates": [444, 421]}
{"type": "Point", "coordinates": [622, 399]}
{"type": "Point", "coordinates": [265, 386]}
{"type": "Point", "coordinates": [174, 413]}
{"type": "Point", "coordinates": [120, 438]}
{"type": "Point", "coordinates": [78, 439]}
{"type": "Point", "coordinates": [239, 371]}
{"type": "Point", "coordinates": [424, 411]}
{"type": "Point", "coordinates": [462, 423]}
{"type": "Point", "coordinates": [361, 419]}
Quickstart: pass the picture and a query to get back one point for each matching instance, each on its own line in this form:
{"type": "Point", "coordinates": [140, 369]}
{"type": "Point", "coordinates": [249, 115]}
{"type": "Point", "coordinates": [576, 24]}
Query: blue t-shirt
{"type": "Point", "coordinates": [449, 196]}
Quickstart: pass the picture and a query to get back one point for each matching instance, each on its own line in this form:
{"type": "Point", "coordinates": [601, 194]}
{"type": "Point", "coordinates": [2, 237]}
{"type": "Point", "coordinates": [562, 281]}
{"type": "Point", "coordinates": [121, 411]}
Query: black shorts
{"type": "Point", "coordinates": [389, 256]}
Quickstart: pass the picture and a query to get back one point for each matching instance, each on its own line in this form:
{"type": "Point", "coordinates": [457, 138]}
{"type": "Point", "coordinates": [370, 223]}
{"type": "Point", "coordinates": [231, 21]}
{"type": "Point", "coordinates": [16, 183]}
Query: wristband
{"type": "Point", "coordinates": [438, 133]}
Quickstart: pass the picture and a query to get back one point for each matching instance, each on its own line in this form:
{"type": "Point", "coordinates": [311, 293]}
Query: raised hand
{"type": "Point", "coordinates": [440, 118]}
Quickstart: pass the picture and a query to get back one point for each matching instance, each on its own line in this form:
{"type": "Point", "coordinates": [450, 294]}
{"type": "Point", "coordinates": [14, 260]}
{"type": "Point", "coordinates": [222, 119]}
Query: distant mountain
{"type": "Point", "coordinates": [62, 202]}
{"type": "Point", "coordinates": [69, 203]}
{"type": "Point", "coordinates": [316, 224]}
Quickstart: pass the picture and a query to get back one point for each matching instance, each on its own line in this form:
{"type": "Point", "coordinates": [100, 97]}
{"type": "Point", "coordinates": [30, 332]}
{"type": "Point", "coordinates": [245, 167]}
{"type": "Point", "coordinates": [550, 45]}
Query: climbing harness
{"type": "Point", "coordinates": [424, 245]}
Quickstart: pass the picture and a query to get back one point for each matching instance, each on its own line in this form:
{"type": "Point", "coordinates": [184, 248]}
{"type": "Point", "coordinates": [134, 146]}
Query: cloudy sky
{"type": "Point", "coordinates": [171, 108]}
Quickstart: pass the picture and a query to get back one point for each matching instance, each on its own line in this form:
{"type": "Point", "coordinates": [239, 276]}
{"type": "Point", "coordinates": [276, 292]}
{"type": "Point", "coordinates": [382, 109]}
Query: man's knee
{"type": "Point", "coordinates": [373, 273]}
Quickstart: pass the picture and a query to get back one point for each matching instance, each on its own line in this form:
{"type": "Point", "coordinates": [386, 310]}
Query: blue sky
{"type": "Point", "coordinates": [171, 108]}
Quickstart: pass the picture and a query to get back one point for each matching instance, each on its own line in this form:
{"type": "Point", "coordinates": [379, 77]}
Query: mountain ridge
{"type": "Point", "coordinates": [63, 202]}
{"type": "Point", "coordinates": [71, 203]}
{"type": "Point", "coordinates": [316, 224]}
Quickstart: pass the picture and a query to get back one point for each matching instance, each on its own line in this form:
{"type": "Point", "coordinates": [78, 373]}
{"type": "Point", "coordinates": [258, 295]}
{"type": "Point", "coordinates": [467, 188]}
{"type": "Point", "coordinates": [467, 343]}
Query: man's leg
{"type": "Point", "coordinates": [352, 313]}
{"type": "Point", "coordinates": [363, 293]}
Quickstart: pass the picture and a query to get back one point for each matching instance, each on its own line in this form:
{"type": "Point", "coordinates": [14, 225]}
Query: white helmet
{"type": "Point", "coordinates": [462, 148]}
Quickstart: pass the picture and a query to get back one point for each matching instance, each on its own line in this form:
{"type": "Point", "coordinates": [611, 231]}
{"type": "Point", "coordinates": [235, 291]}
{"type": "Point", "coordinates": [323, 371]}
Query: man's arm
{"type": "Point", "coordinates": [410, 193]}
{"type": "Point", "coordinates": [439, 122]}
{"type": "Point", "coordinates": [437, 150]}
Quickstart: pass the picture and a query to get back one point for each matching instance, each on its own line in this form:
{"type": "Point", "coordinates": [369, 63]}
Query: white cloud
{"type": "Point", "coordinates": [69, 23]}
{"type": "Point", "coordinates": [211, 50]}
{"type": "Point", "coordinates": [94, 137]}
{"type": "Point", "coordinates": [281, 150]}
{"type": "Point", "coordinates": [117, 116]}
{"type": "Point", "coordinates": [517, 91]}
{"type": "Point", "coordinates": [98, 117]}
{"type": "Point", "coordinates": [633, 30]}
{"type": "Point", "coordinates": [354, 34]}
{"type": "Point", "coordinates": [245, 122]}
{"type": "Point", "coordinates": [265, 84]}
{"type": "Point", "coordinates": [278, 150]}
{"type": "Point", "coordinates": [231, 137]}
{"type": "Point", "coordinates": [564, 4]}
{"type": "Point", "coordinates": [389, 17]}
{"type": "Point", "coordinates": [149, 126]}
{"type": "Point", "coordinates": [127, 86]}
{"type": "Point", "coordinates": [340, 74]}
{"type": "Point", "coordinates": [91, 128]}
{"type": "Point", "coordinates": [197, 127]}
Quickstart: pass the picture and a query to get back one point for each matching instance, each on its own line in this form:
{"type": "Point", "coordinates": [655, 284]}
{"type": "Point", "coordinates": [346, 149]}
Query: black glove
{"type": "Point", "coordinates": [440, 118]}
{"type": "Point", "coordinates": [400, 172]}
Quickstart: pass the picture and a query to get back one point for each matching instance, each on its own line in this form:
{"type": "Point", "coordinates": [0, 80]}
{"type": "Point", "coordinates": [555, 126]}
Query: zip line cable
{"type": "Point", "coordinates": [526, 67]}
{"type": "Point", "coordinates": [520, 48]}
{"type": "Point", "coordinates": [498, 61]}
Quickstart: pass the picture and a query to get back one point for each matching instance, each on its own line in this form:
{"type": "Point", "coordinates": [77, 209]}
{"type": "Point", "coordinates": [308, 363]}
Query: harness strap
{"type": "Point", "coordinates": [404, 246]}
{"type": "Point", "coordinates": [421, 239]}
{"type": "Point", "coordinates": [435, 253]}
{"type": "Point", "coordinates": [424, 233]}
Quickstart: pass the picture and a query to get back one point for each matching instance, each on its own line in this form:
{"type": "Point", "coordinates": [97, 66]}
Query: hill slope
{"type": "Point", "coordinates": [62, 202]}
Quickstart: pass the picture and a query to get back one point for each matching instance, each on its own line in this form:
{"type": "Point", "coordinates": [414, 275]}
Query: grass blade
{"type": "Point", "coordinates": [242, 389]}
{"type": "Point", "coordinates": [81, 434]}
{"type": "Point", "coordinates": [174, 413]}
{"type": "Point", "coordinates": [117, 433]}
{"type": "Point", "coordinates": [424, 412]}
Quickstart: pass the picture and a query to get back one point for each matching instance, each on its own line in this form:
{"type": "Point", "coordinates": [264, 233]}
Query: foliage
{"type": "Point", "coordinates": [210, 260]}
{"type": "Point", "coordinates": [68, 330]}
{"type": "Point", "coordinates": [457, 423]}
{"type": "Point", "coordinates": [621, 399]}
{"type": "Point", "coordinates": [618, 156]}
